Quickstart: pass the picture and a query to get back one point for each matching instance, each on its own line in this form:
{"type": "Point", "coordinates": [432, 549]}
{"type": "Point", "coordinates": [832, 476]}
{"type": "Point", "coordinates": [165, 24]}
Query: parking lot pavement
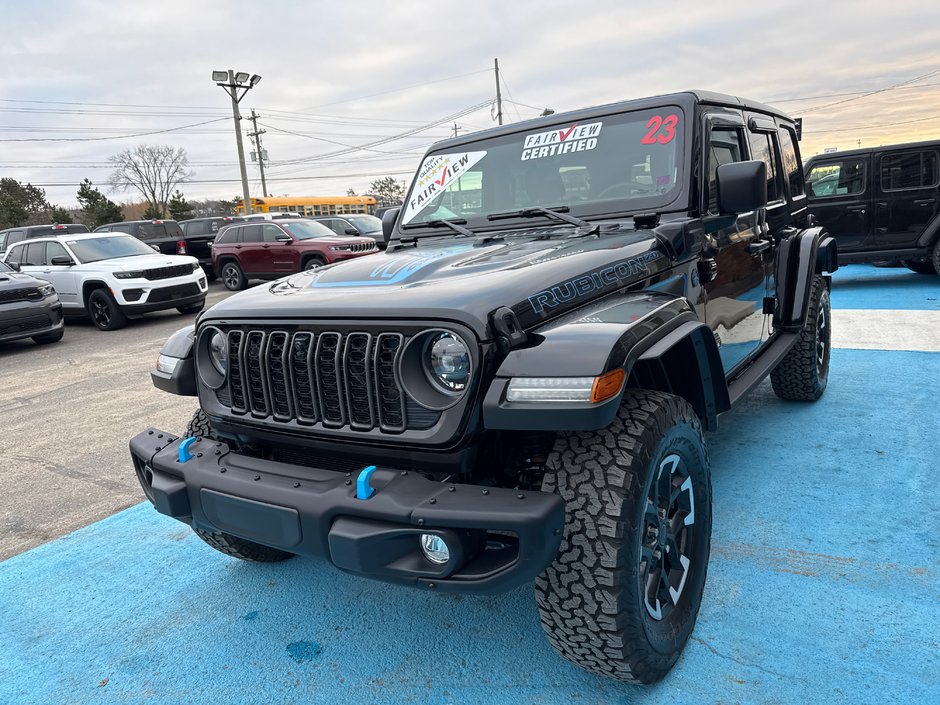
{"type": "Point", "coordinates": [823, 584]}
{"type": "Point", "coordinates": [66, 413]}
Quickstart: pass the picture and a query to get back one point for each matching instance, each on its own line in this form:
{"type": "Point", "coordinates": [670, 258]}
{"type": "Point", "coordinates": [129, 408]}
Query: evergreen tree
{"type": "Point", "coordinates": [60, 215]}
{"type": "Point", "coordinates": [152, 212]}
{"type": "Point", "coordinates": [179, 207]}
{"type": "Point", "coordinates": [21, 205]}
{"type": "Point", "coordinates": [97, 209]}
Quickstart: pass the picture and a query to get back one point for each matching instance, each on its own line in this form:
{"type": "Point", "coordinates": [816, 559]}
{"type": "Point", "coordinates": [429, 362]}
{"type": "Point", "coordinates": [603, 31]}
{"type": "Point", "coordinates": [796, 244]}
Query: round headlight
{"type": "Point", "coordinates": [447, 362]}
{"type": "Point", "coordinates": [218, 352]}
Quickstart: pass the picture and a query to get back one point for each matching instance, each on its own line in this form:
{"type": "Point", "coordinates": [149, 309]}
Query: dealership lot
{"type": "Point", "coordinates": [823, 583]}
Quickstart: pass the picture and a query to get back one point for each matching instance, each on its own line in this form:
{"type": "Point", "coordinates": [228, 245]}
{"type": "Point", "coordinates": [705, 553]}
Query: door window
{"type": "Point", "coordinates": [54, 249]}
{"type": "Point", "coordinates": [791, 162]}
{"type": "Point", "coordinates": [15, 236]}
{"type": "Point", "coordinates": [845, 177]}
{"type": "Point", "coordinates": [908, 170]}
{"type": "Point", "coordinates": [269, 233]}
{"type": "Point", "coordinates": [762, 149]}
{"type": "Point", "coordinates": [250, 233]}
{"type": "Point", "coordinates": [35, 254]}
{"type": "Point", "coordinates": [724, 148]}
{"type": "Point", "coordinates": [16, 254]}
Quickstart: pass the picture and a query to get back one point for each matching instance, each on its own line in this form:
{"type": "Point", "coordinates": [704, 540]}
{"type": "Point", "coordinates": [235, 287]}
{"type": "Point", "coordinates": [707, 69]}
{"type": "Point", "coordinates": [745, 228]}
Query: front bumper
{"type": "Point", "coordinates": [25, 319]}
{"type": "Point", "coordinates": [499, 538]}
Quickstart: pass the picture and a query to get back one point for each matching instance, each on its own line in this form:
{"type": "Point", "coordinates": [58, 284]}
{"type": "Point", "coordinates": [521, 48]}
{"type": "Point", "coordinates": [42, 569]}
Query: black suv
{"type": "Point", "coordinates": [517, 388]}
{"type": "Point", "coordinates": [168, 238]}
{"type": "Point", "coordinates": [11, 236]}
{"type": "Point", "coordinates": [880, 203]}
{"type": "Point", "coordinates": [29, 308]}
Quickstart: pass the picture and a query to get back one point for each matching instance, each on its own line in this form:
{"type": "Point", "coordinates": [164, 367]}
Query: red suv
{"type": "Point", "coordinates": [274, 249]}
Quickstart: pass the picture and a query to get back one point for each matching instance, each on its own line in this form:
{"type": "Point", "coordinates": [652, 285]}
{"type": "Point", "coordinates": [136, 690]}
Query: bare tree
{"type": "Point", "coordinates": [152, 170]}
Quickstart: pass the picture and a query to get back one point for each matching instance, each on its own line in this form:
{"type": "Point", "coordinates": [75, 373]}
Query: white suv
{"type": "Point", "coordinates": [110, 276]}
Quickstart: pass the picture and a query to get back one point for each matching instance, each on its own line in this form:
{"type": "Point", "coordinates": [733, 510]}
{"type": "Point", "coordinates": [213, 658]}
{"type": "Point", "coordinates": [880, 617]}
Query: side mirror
{"type": "Point", "coordinates": [388, 223]}
{"type": "Point", "coordinates": [282, 238]}
{"type": "Point", "coordinates": [352, 231]}
{"type": "Point", "coordinates": [61, 261]}
{"type": "Point", "coordinates": [155, 248]}
{"type": "Point", "coordinates": [15, 266]}
{"type": "Point", "coordinates": [742, 187]}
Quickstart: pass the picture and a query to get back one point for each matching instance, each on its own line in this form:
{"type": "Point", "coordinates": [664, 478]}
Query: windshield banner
{"type": "Point", "coordinates": [437, 173]}
{"type": "Point", "coordinates": [574, 138]}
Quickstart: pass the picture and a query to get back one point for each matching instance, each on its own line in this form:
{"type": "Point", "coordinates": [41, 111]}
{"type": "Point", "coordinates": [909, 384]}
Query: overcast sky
{"type": "Point", "coordinates": [354, 73]}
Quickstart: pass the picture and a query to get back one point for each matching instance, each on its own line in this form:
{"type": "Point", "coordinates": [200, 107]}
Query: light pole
{"type": "Point", "coordinates": [234, 82]}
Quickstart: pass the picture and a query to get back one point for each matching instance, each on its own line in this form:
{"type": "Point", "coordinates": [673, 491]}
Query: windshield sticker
{"type": "Point", "coordinates": [661, 129]}
{"type": "Point", "coordinates": [437, 173]}
{"type": "Point", "coordinates": [574, 138]}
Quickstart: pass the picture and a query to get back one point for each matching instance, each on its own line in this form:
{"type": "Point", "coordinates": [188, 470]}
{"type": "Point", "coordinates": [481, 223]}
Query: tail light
{"type": "Point", "coordinates": [181, 247]}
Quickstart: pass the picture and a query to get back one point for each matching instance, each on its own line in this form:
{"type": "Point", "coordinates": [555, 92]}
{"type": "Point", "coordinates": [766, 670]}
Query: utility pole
{"type": "Point", "coordinates": [256, 135]}
{"type": "Point", "coordinates": [499, 96]}
{"type": "Point", "coordinates": [236, 82]}
{"type": "Point", "coordinates": [456, 127]}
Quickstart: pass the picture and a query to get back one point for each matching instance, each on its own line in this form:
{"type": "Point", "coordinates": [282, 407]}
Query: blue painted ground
{"type": "Point", "coordinates": [823, 585]}
{"type": "Point", "coordinates": [864, 286]}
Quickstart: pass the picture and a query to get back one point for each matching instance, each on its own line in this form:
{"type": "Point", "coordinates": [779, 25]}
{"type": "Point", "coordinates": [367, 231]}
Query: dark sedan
{"type": "Point", "coordinates": [29, 308]}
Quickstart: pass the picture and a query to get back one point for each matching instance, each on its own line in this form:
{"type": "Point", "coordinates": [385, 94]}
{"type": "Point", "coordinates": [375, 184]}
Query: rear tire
{"type": "Point", "coordinates": [47, 338]}
{"type": "Point", "coordinates": [104, 311]}
{"type": "Point", "coordinates": [233, 277]}
{"type": "Point", "coordinates": [636, 494]}
{"type": "Point", "coordinates": [803, 373]}
{"type": "Point", "coordinates": [226, 543]}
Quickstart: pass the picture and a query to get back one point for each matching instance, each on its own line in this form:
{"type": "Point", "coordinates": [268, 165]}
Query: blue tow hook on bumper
{"type": "Point", "coordinates": [363, 489]}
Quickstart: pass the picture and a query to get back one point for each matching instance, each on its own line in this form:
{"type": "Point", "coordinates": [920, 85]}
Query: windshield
{"type": "Point", "coordinates": [4, 267]}
{"type": "Point", "coordinates": [96, 249]}
{"type": "Point", "coordinates": [365, 223]}
{"type": "Point", "coordinates": [306, 229]}
{"type": "Point", "coordinates": [623, 162]}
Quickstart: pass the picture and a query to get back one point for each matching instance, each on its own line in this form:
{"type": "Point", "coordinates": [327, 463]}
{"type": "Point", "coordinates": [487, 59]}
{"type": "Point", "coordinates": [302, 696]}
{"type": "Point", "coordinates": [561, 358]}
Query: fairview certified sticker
{"type": "Point", "coordinates": [562, 140]}
{"type": "Point", "coordinates": [437, 173]}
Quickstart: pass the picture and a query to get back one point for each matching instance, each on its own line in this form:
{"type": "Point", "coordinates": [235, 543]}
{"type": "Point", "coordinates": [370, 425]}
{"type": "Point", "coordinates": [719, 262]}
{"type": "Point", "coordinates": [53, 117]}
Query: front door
{"type": "Point", "coordinates": [906, 196]}
{"type": "Point", "coordinates": [839, 194]}
{"type": "Point", "coordinates": [253, 252]}
{"type": "Point", "coordinates": [61, 276]}
{"type": "Point", "coordinates": [283, 255]}
{"type": "Point", "coordinates": [733, 303]}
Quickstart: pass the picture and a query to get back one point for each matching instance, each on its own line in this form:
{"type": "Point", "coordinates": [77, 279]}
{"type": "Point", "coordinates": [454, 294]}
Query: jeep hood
{"type": "Point", "coordinates": [459, 280]}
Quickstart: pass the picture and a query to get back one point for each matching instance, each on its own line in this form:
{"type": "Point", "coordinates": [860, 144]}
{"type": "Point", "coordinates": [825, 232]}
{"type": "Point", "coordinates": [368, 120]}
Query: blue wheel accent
{"type": "Point", "coordinates": [363, 489]}
{"type": "Point", "coordinates": [184, 449]}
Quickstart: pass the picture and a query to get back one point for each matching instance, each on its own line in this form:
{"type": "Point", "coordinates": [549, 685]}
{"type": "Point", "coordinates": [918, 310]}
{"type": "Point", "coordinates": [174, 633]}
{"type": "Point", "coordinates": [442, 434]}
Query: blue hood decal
{"type": "Point", "coordinates": [397, 270]}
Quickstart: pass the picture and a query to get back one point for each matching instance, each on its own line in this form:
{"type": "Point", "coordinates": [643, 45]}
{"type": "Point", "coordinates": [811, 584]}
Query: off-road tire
{"type": "Point", "coordinates": [192, 308]}
{"type": "Point", "coordinates": [590, 599]}
{"type": "Point", "coordinates": [233, 277]}
{"type": "Point", "coordinates": [924, 266]}
{"type": "Point", "coordinates": [226, 543]}
{"type": "Point", "coordinates": [104, 311]}
{"type": "Point", "coordinates": [803, 373]}
{"type": "Point", "coordinates": [936, 256]}
{"type": "Point", "coordinates": [46, 338]}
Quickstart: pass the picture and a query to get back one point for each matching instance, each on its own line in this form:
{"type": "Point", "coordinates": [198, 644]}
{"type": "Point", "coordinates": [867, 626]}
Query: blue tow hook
{"type": "Point", "coordinates": [184, 449]}
{"type": "Point", "coordinates": [363, 489]}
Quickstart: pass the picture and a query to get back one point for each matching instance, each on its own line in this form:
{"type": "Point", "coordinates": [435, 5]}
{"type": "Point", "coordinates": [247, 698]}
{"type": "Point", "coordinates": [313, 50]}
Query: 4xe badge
{"type": "Point", "coordinates": [437, 173]}
{"type": "Point", "coordinates": [561, 140]}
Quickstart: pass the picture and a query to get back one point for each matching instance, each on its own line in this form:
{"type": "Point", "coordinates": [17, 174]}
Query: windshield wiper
{"type": "Point", "coordinates": [553, 213]}
{"type": "Point", "coordinates": [455, 224]}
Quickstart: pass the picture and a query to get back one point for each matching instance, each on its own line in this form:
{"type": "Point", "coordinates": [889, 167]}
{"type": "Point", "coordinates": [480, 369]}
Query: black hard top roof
{"type": "Point", "coordinates": [880, 148]}
{"type": "Point", "coordinates": [686, 99]}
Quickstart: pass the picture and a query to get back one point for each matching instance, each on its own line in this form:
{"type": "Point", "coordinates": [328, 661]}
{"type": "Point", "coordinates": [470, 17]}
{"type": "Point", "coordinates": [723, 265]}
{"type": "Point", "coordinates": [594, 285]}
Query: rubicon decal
{"type": "Point", "coordinates": [615, 275]}
{"type": "Point", "coordinates": [562, 140]}
{"type": "Point", "coordinates": [437, 173]}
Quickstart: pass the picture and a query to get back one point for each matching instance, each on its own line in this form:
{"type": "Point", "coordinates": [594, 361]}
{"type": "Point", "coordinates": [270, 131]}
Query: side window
{"type": "Point", "coordinates": [121, 228]}
{"type": "Point", "coordinates": [845, 177]}
{"type": "Point", "coordinates": [791, 162]}
{"type": "Point", "coordinates": [35, 254]}
{"type": "Point", "coordinates": [762, 150]}
{"type": "Point", "coordinates": [54, 249]}
{"type": "Point", "coordinates": [15, 236]}
{"type": "Point", "coordinates": [724, 147]}
{"type": "Point", "coordinates": [16, 254]}
{"type": "Point", "coordinates": [909, 170]}
{"type": "Point", "coordinates": [250, 233]}
{"type": "Point", "coordinates": [269, 233]}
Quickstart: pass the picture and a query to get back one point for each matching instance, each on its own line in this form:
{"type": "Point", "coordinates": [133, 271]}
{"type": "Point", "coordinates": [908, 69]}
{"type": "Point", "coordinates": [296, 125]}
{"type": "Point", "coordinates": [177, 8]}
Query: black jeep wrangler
{"type": "Point", "coordinates": [517, 388]}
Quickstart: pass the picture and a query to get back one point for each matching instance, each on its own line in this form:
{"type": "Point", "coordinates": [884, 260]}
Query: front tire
{"type": "Point", "coordinates": [621, 597]}
{"type": "Point", "coordinates": [803, 373]}
{"type": "Point", "coordinates": [233, 277]}
{"type": "Point", "coordinates": [104, 311]}
{"type": "Point", "coordinates": [227, 543]}
{"type": "Point", "coordinates": [313, 263]}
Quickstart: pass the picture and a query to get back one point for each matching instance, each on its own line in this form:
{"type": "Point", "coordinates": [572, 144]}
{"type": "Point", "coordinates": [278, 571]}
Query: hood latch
{"type": "Point", "coordinates": [509, 333]}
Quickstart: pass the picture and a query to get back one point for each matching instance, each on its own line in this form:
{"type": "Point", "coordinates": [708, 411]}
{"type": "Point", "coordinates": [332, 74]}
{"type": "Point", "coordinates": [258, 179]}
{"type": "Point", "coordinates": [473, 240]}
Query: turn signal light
{"type": "Point", "coordinates": [607, 385]}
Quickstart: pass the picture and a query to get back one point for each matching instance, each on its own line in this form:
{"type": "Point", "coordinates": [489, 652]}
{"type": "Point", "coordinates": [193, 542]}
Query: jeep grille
{"type": "Point", "coordinates": [320, 377]}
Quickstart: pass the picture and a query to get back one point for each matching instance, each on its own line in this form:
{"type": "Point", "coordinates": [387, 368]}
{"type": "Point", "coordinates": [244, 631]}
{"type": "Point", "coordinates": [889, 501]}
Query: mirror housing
{"type": "Point", "coordinates": [283, 238]}
{"type": "Point", "coordinates": [155, 248]}
{"type": "Point", "coordinates": [388, 223]}
{"type": "Point", "coordinates": [61, 261]}
{"type": "Point", "coordinates": [15, 266]}
{"type": "Point", "coordinates": [742, 187]}
{"type": "Point", "coordinates": [352, 231]}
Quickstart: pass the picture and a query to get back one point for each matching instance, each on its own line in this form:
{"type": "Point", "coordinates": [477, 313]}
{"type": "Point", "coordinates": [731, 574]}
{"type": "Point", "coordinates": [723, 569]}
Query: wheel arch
{"type": "Point", "coordinates": [800, 257]}
{"type": "Point", "coordinates": [89, 286]}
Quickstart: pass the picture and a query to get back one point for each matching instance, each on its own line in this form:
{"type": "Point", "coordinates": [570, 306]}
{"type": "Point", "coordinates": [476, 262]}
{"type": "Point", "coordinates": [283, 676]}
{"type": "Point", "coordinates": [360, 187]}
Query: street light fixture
{"type": "Point", "coordinates": [237, 86]}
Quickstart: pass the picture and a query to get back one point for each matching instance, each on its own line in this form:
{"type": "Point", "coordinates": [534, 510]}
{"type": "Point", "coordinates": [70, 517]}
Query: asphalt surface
{"type": "Point", "coordinates": [823, 585]}
{"type": "Point", "coordinates": [67, 411]}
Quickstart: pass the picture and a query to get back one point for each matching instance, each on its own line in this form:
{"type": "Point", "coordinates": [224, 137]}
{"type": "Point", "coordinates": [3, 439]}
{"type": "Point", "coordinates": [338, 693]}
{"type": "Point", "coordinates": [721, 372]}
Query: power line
{"type": "Point", "coordinates": [115, 137]}
{"type": "Point", "coordinates": [871, 93]}
{"type": "Point", "coordinates": [238, 181]}
{"type": "Point", "coordinates": [839, 95]}
{"type": "Point", "coordinates": [859, 128]}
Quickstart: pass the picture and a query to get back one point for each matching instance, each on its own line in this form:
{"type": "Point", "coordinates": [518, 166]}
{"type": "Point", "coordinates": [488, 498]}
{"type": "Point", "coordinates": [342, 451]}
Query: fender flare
{"type": "Point", "coordinates": [800, 257]}
{"type": "Point", "coordinates": [182, 380]}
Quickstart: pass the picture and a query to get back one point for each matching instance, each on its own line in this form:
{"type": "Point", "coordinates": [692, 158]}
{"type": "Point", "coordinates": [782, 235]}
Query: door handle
{"type": "Point", "coordinates": [856, 209]}
{"type": "Point", "coordinates": [758, 246]}
{"type": "Point", "coordinates": [881, 204]}
{"type": "Point", "coordinates": [925, 202]}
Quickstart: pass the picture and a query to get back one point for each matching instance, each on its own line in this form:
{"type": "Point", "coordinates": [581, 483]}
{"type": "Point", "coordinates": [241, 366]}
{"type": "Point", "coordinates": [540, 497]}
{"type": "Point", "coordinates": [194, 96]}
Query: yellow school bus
{"type": "Point", "coordinates": [310, 205]}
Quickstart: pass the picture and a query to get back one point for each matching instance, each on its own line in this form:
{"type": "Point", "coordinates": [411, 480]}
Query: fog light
{"type": "Point", "coordinates": [435, 548]}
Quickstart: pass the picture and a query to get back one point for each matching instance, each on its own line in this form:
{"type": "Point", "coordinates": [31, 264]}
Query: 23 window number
{"type": "Point", "coordinates": [661, 129]}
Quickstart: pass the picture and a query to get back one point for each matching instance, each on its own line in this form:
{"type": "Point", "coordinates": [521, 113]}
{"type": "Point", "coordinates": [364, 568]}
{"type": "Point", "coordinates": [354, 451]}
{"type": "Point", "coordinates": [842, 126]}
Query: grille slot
{"type": "Point", "coordinates": [179, 270]}
{"type": "Point", "coordinates": [326, 378]}
{"type": "Point", "coordinates": [24, 294]}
